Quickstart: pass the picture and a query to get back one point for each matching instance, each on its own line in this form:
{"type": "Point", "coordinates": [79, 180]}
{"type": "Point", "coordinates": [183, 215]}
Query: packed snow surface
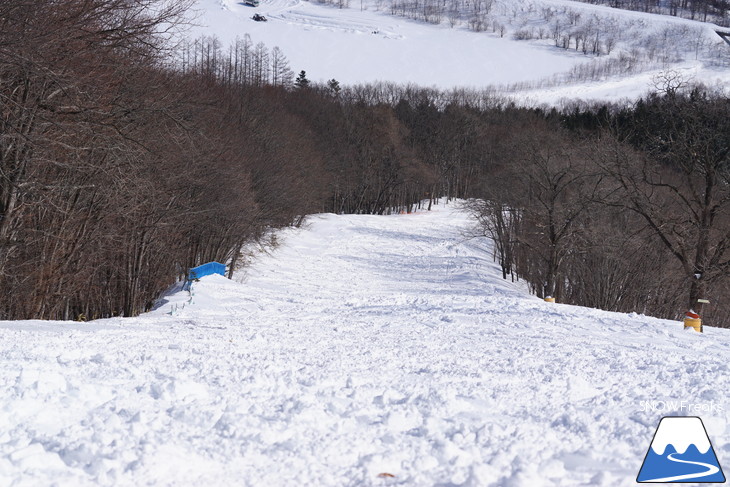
{"type": "Point", "coordinates": [365, 43]}
{"type": "Point", "coordinates": [364, 350]}
{"type": "Point", "coordinates": [365, 46]}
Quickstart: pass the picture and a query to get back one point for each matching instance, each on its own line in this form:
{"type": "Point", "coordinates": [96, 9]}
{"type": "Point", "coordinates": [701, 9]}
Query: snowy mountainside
{"type": "Point", "coordinates": [366, 43]}
{"type": "Point", "coordinates": [362, 346]}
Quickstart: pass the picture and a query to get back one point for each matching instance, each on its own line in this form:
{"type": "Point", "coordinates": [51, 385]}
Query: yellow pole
{"type": "Point", "coordinates": [692, 320]}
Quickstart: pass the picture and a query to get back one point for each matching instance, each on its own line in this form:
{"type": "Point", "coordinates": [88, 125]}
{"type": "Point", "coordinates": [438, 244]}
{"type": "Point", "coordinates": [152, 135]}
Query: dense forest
{"type": "Point", "coordinates": [125, 160]}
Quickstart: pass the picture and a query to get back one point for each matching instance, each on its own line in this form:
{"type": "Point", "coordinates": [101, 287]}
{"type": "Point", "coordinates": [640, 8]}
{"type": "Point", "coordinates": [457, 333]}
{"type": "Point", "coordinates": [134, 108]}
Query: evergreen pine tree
{"type": "Point", "coordinates": [302, 81]}
{"type": "Point", "coordinates": [334, 87]}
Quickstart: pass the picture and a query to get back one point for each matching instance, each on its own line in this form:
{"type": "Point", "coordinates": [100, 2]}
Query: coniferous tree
{"type": "Point", "coordinates": [302, 81]}
{"type": "Point", "coordinates": [334, 87]}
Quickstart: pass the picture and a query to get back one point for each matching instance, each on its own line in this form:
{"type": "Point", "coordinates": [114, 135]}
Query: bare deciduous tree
{"type": "Point", "coordinates": [680, 188]}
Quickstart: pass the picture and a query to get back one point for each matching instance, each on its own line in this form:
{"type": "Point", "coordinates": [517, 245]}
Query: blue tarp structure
{"type": "Point", "coordinates": [205, 270]}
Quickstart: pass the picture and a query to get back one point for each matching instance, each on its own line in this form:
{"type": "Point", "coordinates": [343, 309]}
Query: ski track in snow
{"type": "Point", "coordinates": [366, 46]}
{"type": "Point", "coordinates": [364, 43]}
{"type": "Point", "coordinates": [362, 345]}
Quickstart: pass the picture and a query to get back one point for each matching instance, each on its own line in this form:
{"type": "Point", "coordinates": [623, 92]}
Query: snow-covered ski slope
{"type": "Point", "coordinates": [364, 43]}
{"type": "Point", "coordinates": [362, 346]}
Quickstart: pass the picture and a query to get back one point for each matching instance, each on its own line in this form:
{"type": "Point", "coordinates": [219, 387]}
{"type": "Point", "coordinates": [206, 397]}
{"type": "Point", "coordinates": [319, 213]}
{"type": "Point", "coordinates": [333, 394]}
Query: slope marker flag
{"type": "Point", "coordinates": [680, 452]}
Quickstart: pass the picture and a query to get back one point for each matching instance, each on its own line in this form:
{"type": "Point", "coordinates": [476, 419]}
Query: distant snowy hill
{"type": "Point", "coordinates": [362, 346]}
{"type": "Point", "coordinates": [610, 54]}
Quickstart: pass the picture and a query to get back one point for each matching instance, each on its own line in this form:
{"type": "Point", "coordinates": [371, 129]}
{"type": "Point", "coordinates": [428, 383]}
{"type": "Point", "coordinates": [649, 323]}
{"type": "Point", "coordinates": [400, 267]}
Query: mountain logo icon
{"type": "Point", "coordinates": [680, 452]}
